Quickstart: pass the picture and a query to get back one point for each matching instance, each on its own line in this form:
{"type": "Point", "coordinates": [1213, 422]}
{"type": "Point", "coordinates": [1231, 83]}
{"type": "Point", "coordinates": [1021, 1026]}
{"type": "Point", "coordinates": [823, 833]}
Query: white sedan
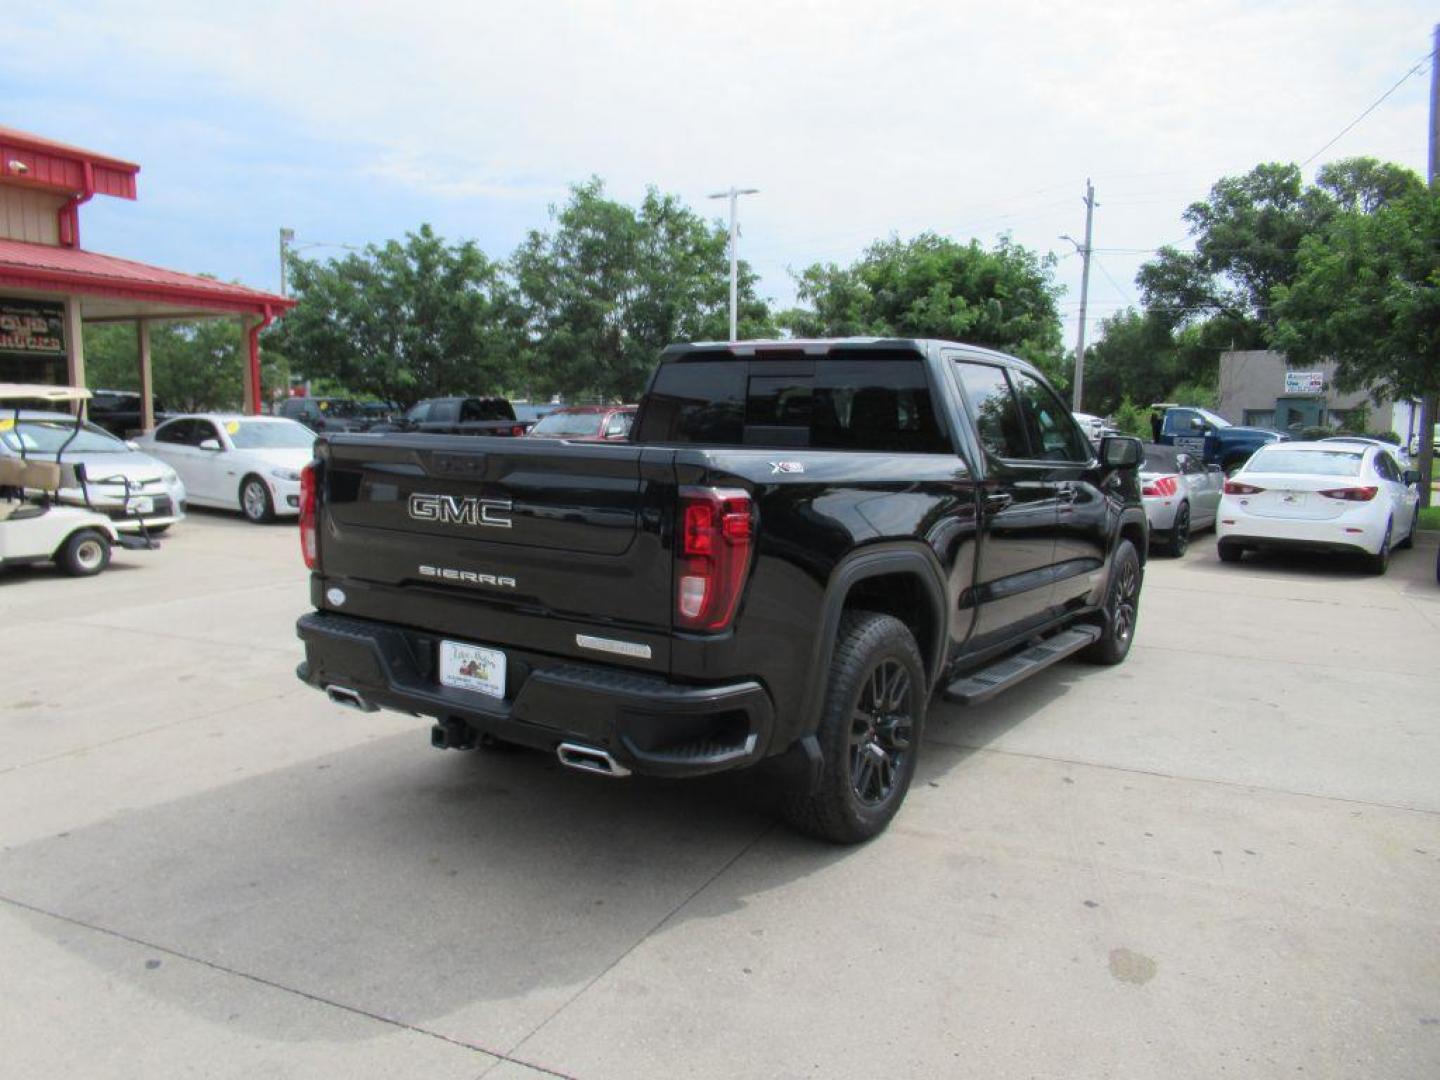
{"type": "Point", "coordinates": [1319, 496]}
{"type": "Point", "coordinates": [249, 463]}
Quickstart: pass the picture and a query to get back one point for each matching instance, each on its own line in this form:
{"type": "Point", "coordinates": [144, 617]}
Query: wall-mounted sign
{"type": "Point", "coordinates": [1304, 382]}
{"type": "Point", "coordinates": [32, 328]}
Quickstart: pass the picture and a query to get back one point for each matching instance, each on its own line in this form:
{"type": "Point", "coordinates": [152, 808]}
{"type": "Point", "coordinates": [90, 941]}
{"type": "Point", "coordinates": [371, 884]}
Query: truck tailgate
{"type": "Point", "coordinates": [504, 541]}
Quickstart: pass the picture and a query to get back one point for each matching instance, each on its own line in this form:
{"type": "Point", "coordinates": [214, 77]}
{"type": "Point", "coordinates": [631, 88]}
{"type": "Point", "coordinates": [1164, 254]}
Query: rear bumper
{"type": "Point", "coordinates": [646, 723]}
{"type": "Point", "coordinates": [1346, 533]}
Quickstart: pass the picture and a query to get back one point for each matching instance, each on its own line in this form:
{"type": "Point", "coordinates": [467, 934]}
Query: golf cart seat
{"type": "Point", "coordinates": [42, 475]}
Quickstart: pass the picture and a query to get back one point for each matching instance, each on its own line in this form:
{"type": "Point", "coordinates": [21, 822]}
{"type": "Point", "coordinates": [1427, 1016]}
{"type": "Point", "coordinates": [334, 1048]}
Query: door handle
{"type": "Point", "coordinates": [998, 501]}
{"type": "Point", "coordinates": [1067, 494]}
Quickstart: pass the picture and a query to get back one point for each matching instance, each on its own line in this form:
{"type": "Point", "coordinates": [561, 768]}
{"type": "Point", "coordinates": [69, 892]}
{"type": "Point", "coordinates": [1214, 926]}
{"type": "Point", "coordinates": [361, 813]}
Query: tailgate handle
{"type": "Point", "coordinates": [458, 464]}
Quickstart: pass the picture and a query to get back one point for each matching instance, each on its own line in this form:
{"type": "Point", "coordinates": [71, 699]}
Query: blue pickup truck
{"type": "Point", "coordinates": [1200, 431]}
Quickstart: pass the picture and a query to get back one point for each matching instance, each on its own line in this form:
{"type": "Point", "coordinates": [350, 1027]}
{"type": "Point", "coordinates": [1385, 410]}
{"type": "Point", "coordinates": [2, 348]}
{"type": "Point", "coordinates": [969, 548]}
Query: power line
{"type": "Point", "coordinates": [1419, 64]}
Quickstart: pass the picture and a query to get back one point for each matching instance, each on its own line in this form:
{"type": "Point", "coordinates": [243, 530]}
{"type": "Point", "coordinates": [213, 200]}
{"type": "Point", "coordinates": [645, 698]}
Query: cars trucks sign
{"type": "Point", "coordinates": [1304, 382]}
{"type": "Point", "coordinates": [32, 328]}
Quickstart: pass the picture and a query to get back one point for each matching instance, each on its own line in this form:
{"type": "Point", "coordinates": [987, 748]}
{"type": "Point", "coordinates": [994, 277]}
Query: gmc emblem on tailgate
{"type": "Point", "coordinates": [450, 510]}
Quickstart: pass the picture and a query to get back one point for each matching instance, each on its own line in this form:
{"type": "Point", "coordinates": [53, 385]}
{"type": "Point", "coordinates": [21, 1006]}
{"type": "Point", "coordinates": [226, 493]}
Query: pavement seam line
{"type": "Point", "coordinates": [260, 980]}
{"type": "Point", "coordinates": [968, 747]}
{"type": "Point", "coordinates": [148, 731]}
{"type": "Point", "coordinates": [175, 637]}
{"type": "Point", "coordinates": [1272, 660]}
{"type": "Point", "coordinates": [745, 849]}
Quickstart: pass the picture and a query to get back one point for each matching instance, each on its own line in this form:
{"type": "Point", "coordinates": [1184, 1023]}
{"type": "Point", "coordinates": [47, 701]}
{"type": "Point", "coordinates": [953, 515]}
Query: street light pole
{"type": "Point", "coordinates": [734, 196]}
{"type": "Point", "coordinates": [287, 237]}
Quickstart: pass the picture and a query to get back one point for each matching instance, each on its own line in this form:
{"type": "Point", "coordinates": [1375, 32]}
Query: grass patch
{"type": "Point", "coordinates": [1430, 517]}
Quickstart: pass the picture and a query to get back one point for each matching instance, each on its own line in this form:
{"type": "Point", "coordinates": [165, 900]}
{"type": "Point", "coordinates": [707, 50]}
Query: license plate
{"type": "Point", "coordinates": [472, 667]}
{"type": "Point", "coordinates": [141, 504]}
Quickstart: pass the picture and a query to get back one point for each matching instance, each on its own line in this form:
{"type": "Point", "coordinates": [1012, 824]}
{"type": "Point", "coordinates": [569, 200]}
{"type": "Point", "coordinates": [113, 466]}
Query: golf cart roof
{"type": "Point", "coordinates": [41, 392]}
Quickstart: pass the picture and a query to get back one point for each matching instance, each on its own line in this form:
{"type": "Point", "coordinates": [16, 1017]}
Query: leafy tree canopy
{"type": "Point", "coordinates": [403, 321]}
{"type": "Point", "coordinates": [930, 286]}
{"type": "Point", "coordinates": [609, 285]}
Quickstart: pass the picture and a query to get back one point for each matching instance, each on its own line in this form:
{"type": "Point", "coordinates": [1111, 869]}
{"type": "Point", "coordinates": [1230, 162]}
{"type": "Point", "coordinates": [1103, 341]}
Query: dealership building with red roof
{"type": "Point", "coordinates": [50, 285]}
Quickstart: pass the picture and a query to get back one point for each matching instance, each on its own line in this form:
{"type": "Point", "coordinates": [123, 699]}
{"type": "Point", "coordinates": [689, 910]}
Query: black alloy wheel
{"type": "Point", "coordinates": [881, 732]}
{"type": "Point", "coordinates": [1122, 607]}
{"type": "Point", "coordinates": [869, 732]}
{"type": "Point", "coordinates": [1179, 540]}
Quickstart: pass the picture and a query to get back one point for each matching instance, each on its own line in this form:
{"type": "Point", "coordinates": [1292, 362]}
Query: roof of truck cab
{"type": "Point", "coordinates": [814, 347]}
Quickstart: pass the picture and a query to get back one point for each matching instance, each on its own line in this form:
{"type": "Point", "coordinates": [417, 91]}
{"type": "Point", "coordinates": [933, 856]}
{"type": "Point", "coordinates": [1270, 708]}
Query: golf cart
{"type": "Point", "coordinates": [34, 527]}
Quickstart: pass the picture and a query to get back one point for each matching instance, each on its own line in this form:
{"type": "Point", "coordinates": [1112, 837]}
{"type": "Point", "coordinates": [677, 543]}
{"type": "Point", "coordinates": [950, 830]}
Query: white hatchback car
{"type": "Point", "coordinates": [1319, 496]}
{"type": "Point", "coordinates": [249, 463]}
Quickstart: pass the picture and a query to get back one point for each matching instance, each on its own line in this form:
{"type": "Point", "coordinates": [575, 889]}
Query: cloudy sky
{"type": "Point", "coordinates": [353, 122]}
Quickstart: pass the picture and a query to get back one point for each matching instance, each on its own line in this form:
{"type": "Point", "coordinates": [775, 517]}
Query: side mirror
{"type": "Point", "coordinates": [1410, 476]}
{"type": "Point", "coordinates": [210, 444]}
{"type": "Point", "coordinates": [132, 444]}
{"type": "Point", "coordinates": [1196, 423]}
{"type": "Point", "coordinates": [1121, 452]}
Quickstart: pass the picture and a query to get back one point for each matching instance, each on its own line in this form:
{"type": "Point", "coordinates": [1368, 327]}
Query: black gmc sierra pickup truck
{"type": "Point", "coordinates": [802, 543]}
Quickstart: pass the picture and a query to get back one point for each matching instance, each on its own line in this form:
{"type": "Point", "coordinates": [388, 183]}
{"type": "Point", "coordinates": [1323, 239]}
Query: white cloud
{"type": "Point", "coordinates": [855, 119]}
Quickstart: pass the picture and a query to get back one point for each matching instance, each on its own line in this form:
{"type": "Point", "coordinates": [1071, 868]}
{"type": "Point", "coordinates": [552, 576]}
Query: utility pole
{"type": "Point", "coordinates": [1084, 251]}
{"type": "Point", "coordinates": [287, 237]}
{"type": "Point", "coordinates": [1427, 401]}
{"type": "Point", "coordinates": [734, 196]}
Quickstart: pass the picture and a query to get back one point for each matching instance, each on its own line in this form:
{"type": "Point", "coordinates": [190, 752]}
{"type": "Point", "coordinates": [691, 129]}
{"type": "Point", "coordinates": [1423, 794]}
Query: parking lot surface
{"type": "Point", "coordinates": [1221, 858]}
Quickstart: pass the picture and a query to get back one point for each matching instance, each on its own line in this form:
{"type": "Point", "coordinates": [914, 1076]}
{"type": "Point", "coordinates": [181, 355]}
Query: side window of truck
{"type": "Point", "coordinates": [695, 401]}
{"type": "Point", "coordinates": [994, 410]}
{"type": "Point", "coordinates": [1053, 433]}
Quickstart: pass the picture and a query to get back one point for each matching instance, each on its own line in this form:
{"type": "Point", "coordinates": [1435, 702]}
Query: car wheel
{"type": "Point", "coordinates": [869, 733]}
{"type": "Point", "coordinates": [1122, 608]}
{"type": "Point", "coordinates": [1380, 562]}
{"type": "Point", "coordinates": [255, 500]}
{"type": "Point", "coordinates": [1229, 552]}
{"type": "Point", "coordinates": [1409, 541]}
{"type": "Point", "coordinates": [1179, 540]}
{"type": "Point", "coordinates": [85, 553]}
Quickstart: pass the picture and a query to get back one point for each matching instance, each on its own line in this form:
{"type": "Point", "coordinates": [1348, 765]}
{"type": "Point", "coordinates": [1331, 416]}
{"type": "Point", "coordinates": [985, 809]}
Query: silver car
{"type": "Point", "coordinates": [1181, 494]}
{"type": "Point", "coordinates": [127, 486]}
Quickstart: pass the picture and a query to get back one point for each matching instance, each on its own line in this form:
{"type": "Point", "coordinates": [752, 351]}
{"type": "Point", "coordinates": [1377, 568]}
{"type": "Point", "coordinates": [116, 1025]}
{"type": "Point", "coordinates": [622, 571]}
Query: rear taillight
{"type": "Point", "coordinates": [1352, 494]}
{"type": "Point", "coordinates": [1161, 486]}
{"type": "Point", "coordinates": [1235, 487]}
{"type": "Point", "coordinates": [517, 430]}
{"type": "Point", "coordinates": [309, 538]}
{"type": "Point", "coordinates": [712, 556]}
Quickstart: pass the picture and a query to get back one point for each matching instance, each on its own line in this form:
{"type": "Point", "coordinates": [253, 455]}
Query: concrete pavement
{"type": "Point", "coordinates": [1219, 858]}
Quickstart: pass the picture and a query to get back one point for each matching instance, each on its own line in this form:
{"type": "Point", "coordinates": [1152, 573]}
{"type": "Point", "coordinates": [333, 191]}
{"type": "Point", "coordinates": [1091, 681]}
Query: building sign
{"type": "Point", "coordinates": [1304, 382]}
{"type": "Point", "coordinates": [32, 328]}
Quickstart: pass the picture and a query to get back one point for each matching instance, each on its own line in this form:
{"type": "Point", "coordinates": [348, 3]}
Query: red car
{"type": "Point", "coordinates": [586, 423]}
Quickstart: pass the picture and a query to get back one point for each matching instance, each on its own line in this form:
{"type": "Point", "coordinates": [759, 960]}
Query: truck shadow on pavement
{"type": "Point", "coordinates": [469, 894]}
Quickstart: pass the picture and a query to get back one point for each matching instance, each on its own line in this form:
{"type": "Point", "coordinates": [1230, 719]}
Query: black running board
{"type": "Point", "coordinates": [984, 684]}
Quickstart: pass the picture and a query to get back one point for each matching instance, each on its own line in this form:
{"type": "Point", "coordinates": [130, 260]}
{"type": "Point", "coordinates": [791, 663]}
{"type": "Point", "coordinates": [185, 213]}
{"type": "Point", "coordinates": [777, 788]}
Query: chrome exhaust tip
{"type": "Point", "coordinates": [589, 759]}
{"type": "Point", "coordinates": [351, 699]}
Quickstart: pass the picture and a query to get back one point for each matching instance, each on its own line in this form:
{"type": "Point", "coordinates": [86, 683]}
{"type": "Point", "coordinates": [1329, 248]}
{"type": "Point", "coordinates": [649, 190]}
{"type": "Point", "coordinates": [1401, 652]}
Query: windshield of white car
{"type": "Point", "coordinates": [569, 424]}
{"type": "Point", "coordinates": [48, 436]}
{"type": "Point", "coordinates": [269, 435]}
{"type": "Point", "coordinates": [1280, 459]}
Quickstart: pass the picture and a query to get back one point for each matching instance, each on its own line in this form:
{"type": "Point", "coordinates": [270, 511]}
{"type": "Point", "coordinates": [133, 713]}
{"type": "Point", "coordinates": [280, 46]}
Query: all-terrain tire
{"type": "Point", "coordinates": [1122, 608]}
{"type": "Point", "coordinates": [869, 731]}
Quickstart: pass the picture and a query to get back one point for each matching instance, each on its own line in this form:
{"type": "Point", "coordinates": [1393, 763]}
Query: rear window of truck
{"type": "Point", "coordinates": [849, 404]}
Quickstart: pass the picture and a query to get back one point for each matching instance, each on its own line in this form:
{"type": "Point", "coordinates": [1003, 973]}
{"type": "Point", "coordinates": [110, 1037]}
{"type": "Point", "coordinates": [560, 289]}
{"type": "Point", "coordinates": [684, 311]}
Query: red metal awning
{"type": "Point", "coordinates": [88, 273]}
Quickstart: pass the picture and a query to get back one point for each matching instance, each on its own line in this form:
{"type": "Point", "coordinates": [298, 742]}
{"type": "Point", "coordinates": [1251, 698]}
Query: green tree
{"type": "Point", "coordinates": [930, 286]}
{"type": "Point", "coordinates": [1367, 295]}
{"type": "Point", "coordinates": [195, 364]}
{"type": "Point", "coordinates": [609, 285]}
{"type": "Point", "coordinates": [404, 320]}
